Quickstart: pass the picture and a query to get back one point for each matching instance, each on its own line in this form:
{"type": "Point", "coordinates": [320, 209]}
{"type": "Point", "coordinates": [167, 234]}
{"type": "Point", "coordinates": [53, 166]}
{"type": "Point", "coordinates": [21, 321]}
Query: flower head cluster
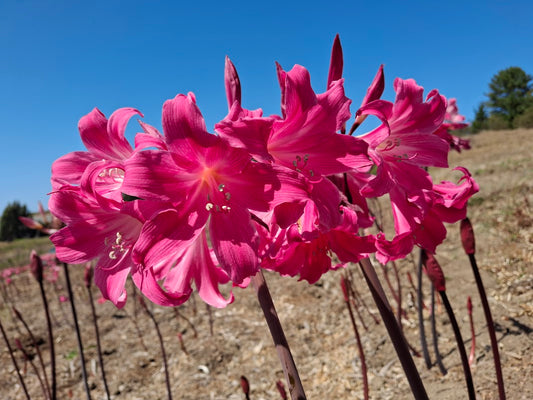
{"type": "Point", "coordinates": [282, 192]}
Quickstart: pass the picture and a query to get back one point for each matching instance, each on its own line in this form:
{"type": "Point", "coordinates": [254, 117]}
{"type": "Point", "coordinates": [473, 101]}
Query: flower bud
{"type": "Point", "coordinates": [281, 390]}
{"type": "Point", "coordinates": [36, 266]}
{"type": "Point", "coordinates": [469, 305]}
{"type": "Point", "coordinates": [434, 272]}
{"type": "Point", "coordinates": [245, 385]}
{"type": "Point", "coordinates": [467, 236]}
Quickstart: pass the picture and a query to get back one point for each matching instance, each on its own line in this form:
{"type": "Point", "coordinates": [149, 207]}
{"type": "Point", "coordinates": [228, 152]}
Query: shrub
{"type": "Point", "coordinates": [525, 120]}
{"type": "Point", "coordinates": [497, 122]}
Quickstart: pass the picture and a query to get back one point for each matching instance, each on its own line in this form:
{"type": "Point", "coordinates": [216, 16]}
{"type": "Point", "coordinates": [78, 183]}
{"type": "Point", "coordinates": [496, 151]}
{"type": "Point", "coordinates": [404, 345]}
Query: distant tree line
{"type": "Point", "coordinates": [10, 226]}
{"type": "Point", "coordinates": [509, 104]}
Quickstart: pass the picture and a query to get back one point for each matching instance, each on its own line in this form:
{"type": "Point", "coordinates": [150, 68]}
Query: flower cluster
{"type": "Point", "coordinates": [281, 192]}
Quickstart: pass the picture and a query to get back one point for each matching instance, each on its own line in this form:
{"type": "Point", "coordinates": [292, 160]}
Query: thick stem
{"type": "Point", "coordinates": [460, 346]}
{"type": "Point", "coordinates": [423, 341]}
{"type": "Point", "coordinates": [490, 325]}
{"type": "Point", "coordinates": [98, 344]}
{"type": "Point", "coordinates": [78, 334]}
{"type": "Point", "coordinates": [278, 336]}
{"type": "Point", "coordinates": [395, 333]}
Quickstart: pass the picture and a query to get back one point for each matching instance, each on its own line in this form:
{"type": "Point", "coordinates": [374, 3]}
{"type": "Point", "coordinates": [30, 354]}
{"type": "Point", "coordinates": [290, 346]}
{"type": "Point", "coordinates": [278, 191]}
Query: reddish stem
{"type": "Point", "coordinates": [280, 341]}
{"type": "Point", "coordinates": [357, 337]}
{"type": "Point", "coordinates": [395, 333]}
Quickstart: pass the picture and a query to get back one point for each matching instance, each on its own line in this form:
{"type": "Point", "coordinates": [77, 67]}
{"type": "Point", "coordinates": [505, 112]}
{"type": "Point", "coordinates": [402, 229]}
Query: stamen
{"type": "Point", "coordinates": [209, 206]}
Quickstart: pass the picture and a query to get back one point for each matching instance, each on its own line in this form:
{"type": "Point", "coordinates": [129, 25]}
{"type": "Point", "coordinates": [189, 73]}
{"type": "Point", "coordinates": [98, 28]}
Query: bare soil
{"type": "Point", "coordinates": [220, 345]}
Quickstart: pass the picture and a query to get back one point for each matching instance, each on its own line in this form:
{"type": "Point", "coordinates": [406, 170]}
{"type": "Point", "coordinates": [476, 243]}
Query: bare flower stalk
{"type": "Point", "coordinates": [163, 353]}
{"type": "Point", "coordinates": [34, 343]}
{"type": "Point", "coordinates": [472, 355]}
{"type": "Point", "coordinates": [344, 284]}
{"type": "Point", "coordinates": [395, 333]}
{"type": "Point", "coordinates": [27, 358]}
{"type": "Point", "coordinates": [14, 361]}
{"type": "Point", "coordinates": [419, 302]}
{"type": "Point", "coordinates": [278, 336]}
{"type": "Point", "coordinates": [469, 245]}
{"type": "Point", "coordinates": [182, 343]}
{"type": "Point", "coordinates": [435, 274]}
{"type": "Point", "coordinates": [435, 335]}
{"type": "Point", "coordinates": [36, 265]}
{"type": "Point", "coordinates": [78, 334]}
{"type": "Point", "coordinates": [180, 315]}
{"type": "Point", "coordinates": [88, 279]}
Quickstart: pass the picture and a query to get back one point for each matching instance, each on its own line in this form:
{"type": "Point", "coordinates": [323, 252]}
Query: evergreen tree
{"type": "Point", "coordinates": [480, 120]}
{"type": "Point", "coordinates": [10, 226]}
{"type": "Point", "coordinates": [510, 93]}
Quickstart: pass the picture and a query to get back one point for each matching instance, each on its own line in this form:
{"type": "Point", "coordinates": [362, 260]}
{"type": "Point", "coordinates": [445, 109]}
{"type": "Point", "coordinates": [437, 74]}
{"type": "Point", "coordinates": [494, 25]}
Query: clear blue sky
{"type": "Point", "coordinates": [60, 59]}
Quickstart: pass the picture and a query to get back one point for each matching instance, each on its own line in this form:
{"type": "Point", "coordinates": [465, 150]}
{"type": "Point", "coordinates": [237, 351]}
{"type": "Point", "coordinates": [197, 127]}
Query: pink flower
{"type": "Point", "coordinates": [98, 229]}
{"type": "Point", "coordinates": [212, 187]}
{"type": "Point", "coordinates": [453, 121]}
{"type": "Point", "coordinates": [308, 254]}
{"type": "Point", "coordinates": [104, 140]}
{"type": "Point", "coordinates": [305, 138]}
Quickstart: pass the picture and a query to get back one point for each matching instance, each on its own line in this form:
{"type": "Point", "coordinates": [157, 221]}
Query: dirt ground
{"type": "Point", "coordinates": [220, 345]}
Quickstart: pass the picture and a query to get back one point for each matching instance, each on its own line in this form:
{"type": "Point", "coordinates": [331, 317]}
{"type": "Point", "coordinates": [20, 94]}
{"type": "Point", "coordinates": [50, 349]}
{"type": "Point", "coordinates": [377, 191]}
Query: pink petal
{"type": "Point", "coordinates": [235, 242]}
{"type": "Point", "coordinates": [112, 280]}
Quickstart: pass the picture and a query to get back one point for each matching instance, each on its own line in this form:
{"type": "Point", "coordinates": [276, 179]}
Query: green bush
{"type": "Point", "coordinates": [497, 122]}
{"type": "Point", "coordinates": [525, 120]}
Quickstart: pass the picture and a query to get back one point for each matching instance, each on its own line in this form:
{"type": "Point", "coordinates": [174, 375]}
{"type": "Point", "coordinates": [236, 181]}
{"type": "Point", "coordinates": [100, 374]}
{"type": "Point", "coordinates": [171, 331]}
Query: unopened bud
{"type": "Point", "coordinates": [469, 305]}
{"type": "Point", "coordinates": [88, 276]}
{"type": "Point", "coordinates": [36, 266]}
{"type": "Point", "coordinates": [434, 272]}
{"type": "Point", "coordinates": [281, 390]}
{"type": "Point", "coordinates": [467, 236]}
{"type": "Point", "coordinates": [18, 344]}
{"type": "Point", "coordinates": [245, 385]}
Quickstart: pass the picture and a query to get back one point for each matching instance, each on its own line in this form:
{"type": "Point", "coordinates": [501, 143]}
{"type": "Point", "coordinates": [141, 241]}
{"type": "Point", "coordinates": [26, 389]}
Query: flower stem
{"type": "Point", "coordinates": [460, 345]}
{"type": "Point", "coordinates": [490, 325]}
{"type": "Point", "coordinates": [14, 361]}
{"type": "Point", "coordinates": [278, 336]}
{"type": "Point", "coordinates": [163, 353]}
{"type": "Point", "coordinates": [344, 284]}
{"type": "Point", "coordinates": [78, 334]}
{"type": "Point", "coordinates": [98, 344]}
{"type": "Point", "coordinates": [34, 343]}
{"type": "Point", "coordinates": [423, 341]}
{"type": "Point", "coordinates": [51, 342]}
{"type": "Point", "coordinates": [395, 333]}
{"type": "Point", "coordinates": [435, 334]}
